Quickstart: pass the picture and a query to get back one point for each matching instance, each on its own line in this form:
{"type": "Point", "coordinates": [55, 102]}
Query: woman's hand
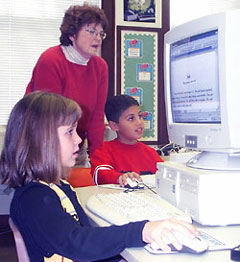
{"type": "Point", "coordinates": [122, 180]}
{"type": "Point", "coordinates": [162, 232]}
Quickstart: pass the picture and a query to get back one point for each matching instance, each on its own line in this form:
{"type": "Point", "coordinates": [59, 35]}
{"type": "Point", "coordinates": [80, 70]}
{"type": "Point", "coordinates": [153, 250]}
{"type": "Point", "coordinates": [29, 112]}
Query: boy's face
{"type": "Point", "coordinates": [130, 126]}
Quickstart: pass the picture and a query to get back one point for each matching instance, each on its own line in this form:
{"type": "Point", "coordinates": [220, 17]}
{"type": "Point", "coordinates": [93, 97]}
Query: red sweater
{"type": "Point", "coordinates": [114, 158]}
{"type": "Point", "coordinates": [87, 85]}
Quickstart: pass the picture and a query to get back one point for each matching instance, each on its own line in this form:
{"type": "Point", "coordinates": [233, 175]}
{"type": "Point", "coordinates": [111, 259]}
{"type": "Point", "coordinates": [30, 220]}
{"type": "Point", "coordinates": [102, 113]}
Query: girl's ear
{"type": "Point", "coordinates": [113, 125]}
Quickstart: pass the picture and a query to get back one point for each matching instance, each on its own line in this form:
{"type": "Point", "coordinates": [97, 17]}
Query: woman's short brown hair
{"type": "Point", "coordinates": [31, 148]}
{"type": "Point", "coordinates": [76, 17]}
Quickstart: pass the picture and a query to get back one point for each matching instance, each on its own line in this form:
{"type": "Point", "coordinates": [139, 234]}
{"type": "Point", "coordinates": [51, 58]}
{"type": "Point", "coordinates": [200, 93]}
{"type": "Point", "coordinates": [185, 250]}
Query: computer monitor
{"type": "Point", "coordinates": [202, 89]}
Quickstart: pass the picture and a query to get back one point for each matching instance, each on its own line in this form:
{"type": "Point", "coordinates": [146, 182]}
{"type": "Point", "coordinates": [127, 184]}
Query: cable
{"type": "Point", "coordinates": [148, 187]}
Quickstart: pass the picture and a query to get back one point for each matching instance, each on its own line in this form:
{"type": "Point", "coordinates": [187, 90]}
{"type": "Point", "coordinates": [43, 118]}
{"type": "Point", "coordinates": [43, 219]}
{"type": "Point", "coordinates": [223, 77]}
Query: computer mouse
{"type": "Point", "coordinates": [136, 184]}
{"type": "Point", "coordinates": [196, 245]}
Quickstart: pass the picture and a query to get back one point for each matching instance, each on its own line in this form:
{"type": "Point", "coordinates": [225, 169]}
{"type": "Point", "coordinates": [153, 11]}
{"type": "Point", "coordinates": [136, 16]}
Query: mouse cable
{"type": "Point", "coordinates": [148, 187]}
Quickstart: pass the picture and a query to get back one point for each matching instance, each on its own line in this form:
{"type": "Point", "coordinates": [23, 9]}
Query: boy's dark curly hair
{"type": "Point", "coordinates": [76, 17]}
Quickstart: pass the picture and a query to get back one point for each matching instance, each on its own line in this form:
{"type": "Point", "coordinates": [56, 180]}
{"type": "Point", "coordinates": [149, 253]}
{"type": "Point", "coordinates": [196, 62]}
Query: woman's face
{"type": "Point", "coordinates": [88, 40]}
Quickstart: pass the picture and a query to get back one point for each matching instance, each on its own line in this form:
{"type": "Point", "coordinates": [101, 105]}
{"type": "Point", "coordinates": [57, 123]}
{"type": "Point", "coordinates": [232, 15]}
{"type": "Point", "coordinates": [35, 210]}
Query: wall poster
{"type": "Point", "coordinates": [139, 13]}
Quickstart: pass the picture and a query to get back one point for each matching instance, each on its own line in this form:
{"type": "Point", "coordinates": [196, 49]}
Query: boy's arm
{"type": "Point", "coordinates": [102, 167]}
{"type": "Point", "coordinates": [105, 174]}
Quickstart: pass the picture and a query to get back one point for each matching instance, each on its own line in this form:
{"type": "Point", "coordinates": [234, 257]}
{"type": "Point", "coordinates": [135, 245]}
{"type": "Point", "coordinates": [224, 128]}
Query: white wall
{"type": "Point", "coordinates": [182, 11]}
{"type": "Point", "coordinates": [5, 194]}
{"type": "Point", "coordinates": [2, 133]}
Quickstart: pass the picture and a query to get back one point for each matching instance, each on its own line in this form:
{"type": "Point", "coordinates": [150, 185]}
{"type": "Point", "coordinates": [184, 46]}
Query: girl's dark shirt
{"type": "Point", "coordinates": [47, 229]}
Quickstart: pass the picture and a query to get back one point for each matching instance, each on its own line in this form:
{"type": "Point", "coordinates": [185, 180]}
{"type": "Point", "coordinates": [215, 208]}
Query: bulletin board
{"type": "Point", "coordinates": [139, 75]}
{"type": "Point", "coordinates": [137, 54]}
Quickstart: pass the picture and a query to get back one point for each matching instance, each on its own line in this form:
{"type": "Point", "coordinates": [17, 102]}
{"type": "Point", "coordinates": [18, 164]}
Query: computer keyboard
{"type": "Point", "coordinates": [121, 208]}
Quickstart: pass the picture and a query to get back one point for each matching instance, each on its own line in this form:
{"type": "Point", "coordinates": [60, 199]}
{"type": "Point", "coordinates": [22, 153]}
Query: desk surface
{"type": "Point", "coordinates": [230, 234]}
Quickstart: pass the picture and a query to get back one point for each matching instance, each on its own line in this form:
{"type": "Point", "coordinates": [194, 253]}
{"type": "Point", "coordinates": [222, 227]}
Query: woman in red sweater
{"type": "Point", "coordinates": [74, 70]}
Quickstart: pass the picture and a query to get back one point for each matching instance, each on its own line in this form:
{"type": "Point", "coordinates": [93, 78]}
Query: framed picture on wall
{"type": "Point", "coordinates": [138, 74]}
{"type": "Point", "coordinates": [139, 13]}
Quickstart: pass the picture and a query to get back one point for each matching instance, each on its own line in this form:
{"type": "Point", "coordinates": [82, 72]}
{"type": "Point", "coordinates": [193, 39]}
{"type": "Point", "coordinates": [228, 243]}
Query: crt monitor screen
{"type": "Point", "coordinates": [201, 86]}
{"type": "Point", "coordinates": [194, 79]}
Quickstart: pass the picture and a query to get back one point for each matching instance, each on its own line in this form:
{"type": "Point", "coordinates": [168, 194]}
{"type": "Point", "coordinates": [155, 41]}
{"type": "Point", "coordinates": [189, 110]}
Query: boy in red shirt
{"type": "Point", "coordinates": [124, 156]}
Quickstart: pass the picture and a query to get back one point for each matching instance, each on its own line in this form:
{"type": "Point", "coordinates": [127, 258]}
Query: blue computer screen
{"type": "Point", "coordinates": [194, 79]}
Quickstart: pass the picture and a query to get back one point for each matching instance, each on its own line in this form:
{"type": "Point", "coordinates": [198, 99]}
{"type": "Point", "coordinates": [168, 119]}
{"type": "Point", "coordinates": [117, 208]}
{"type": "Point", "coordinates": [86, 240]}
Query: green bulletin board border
{"type": "Point", "coordinates": [138, 72]}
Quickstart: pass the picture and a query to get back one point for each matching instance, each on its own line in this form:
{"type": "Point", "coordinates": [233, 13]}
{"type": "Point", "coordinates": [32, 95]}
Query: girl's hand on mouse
{"type": "Point", "coordinates": [122, 180]}
{"type": "Point", "coordinates": [161, 233]}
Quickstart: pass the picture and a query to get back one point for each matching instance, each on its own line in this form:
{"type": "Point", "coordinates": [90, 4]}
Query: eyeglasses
{"type": "Point", "coordinates": [94, 33]}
